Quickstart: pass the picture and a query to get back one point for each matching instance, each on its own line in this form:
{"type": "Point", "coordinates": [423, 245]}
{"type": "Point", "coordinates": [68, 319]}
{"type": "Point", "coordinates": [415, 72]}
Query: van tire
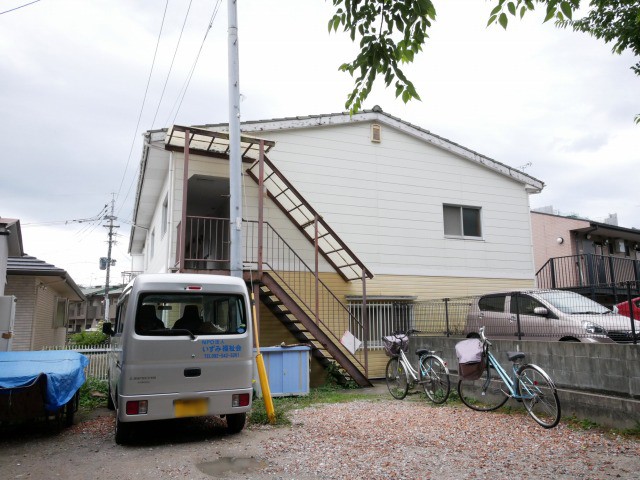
{"type": "Point", "coordinates": [235, 422]}
{"type": "Point", "coordinates": [123, 432]}
{"type": "Point", "coordinates": [110, 404]}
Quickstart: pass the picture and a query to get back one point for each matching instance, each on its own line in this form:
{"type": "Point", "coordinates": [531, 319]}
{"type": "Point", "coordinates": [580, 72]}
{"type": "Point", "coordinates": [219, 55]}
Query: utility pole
{"type": "Point", "coordinates": [235, 161]}
{"type": "Point", "coordinates": [110, 219]}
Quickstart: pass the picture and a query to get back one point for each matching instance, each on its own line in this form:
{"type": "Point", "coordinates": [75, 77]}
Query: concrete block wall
{"type": "Point", "coordinates": [599, 382]}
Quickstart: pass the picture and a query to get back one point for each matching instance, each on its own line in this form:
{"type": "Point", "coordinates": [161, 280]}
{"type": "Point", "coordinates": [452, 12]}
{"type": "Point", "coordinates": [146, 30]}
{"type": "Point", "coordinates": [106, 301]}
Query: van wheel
{"type": "Point", "coordinates": [110, 404]}
{"type": "Point", "coordinates": [123, 432]}
{"type": "Point", "coordinates": [235, 422]}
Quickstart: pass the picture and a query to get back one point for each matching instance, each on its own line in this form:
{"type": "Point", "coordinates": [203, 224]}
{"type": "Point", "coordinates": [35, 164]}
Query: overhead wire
{"type": "Point", "coordinates": [181, 95]}
{"type": "Point", "coordinates": [185, 86]}
{"type": "Point", "coordinates": [146, 91]}
{"type": "Point", "coordinates": [175, 52]}
{"type": "Point", "coordinates": [18, 8]}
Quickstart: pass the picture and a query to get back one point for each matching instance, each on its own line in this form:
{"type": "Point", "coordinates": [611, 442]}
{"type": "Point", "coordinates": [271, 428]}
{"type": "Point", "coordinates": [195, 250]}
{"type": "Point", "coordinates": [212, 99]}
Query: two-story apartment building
{"type": "Point", "coordinates": [344, 218]}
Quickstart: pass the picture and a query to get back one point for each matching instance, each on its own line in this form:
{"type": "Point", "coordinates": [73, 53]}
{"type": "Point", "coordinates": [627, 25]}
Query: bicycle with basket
{"type": "Point", "coordinates": [432, 372]}
{"type": "Point", "coordinates": [484, 385]}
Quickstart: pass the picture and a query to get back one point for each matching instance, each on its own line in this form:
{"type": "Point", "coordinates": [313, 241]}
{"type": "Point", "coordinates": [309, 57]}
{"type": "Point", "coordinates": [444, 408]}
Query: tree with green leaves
{"type": "Point", "coordinates": [392, 32]}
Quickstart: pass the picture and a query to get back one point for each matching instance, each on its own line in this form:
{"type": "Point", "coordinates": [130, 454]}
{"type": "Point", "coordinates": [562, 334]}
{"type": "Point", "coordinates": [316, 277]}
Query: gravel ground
{"type": "Point", "coordinates": [364, 439]}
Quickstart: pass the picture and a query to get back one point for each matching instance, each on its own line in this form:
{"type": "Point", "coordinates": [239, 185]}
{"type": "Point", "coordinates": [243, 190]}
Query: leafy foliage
{"type": "Point", "coordinates": [381, 52]}
{"type": "Point", "coordinates": [88, 338]}
{"type": "Point", "coordinates": [393, 32]}
{"type": "Point", "coordinates": [93, 393]}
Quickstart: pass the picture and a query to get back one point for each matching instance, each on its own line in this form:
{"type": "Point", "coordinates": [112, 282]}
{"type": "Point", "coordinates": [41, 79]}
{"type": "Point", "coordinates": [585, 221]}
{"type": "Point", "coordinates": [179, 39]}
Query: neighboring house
{"type": "Point", "coordinates": [43, 293]}
{"type": "Point", "coordinates": [10, 245]}
{"type": "Point", "coordinates": [395, 213]}
{"type": "Point", "coordinates": [87, 314]}
{"type": "Point", "coordinates": [591, 258]}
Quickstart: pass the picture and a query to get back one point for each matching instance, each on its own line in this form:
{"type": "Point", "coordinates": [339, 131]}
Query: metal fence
{"type": "Point", "coordinates": [97, 355]}
{"type": "Point", "coordinates": [535, 315]}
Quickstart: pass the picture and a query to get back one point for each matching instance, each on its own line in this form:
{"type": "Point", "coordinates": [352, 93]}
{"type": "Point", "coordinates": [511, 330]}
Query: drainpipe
{"type": "Point", "coordinates": [185, 186]}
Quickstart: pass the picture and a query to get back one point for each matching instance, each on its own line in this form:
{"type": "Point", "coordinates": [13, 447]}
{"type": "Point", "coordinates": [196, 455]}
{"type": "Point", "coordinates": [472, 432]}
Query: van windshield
{"type": "Point", "coordinates": [177, 314]}
{"type": "Point", "coordinates": [572, 303]}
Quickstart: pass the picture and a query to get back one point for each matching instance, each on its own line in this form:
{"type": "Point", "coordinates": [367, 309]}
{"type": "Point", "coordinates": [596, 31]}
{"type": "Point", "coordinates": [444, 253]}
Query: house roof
{"type": "Point", "coordinates": [49, 274]}
{"type": "Point", "coordinates": [153, 165]}
{"type": "Point", "coordinates": [11, 228]}
{"type": "Point", "coordinates": [99, 291]}
{"type": "Point", "coordinates": [376, 114]}
{"type": "Point", "coordinates": [599, 228]}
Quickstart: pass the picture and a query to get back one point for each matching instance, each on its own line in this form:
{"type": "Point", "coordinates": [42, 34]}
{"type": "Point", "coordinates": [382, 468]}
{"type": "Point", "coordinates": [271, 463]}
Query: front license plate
{"type": "Point", "coordinates": [191, 407]}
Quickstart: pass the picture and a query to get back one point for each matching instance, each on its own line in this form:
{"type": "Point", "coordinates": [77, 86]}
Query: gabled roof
{"type": "Point", "coordinates": [376, 114]}
{"type": "Point", "coordinates": [11, 228]}
{"type": "Point", "coordinates": [27, 265]}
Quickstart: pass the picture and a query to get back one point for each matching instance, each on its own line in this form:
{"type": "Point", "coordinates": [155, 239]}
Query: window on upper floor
{"type": "Point", "coordinates": [462, 221]}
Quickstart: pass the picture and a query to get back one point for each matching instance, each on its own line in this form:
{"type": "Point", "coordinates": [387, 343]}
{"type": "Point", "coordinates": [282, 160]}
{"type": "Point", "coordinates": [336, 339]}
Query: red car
{"type": "Point", "coordinates": [623, 308]}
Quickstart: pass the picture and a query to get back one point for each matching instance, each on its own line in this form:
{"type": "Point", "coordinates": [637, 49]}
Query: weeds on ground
{"type": "Point", "coordinates": [329, 393]}
{"type": "Point", "coordinates": [93, 394]}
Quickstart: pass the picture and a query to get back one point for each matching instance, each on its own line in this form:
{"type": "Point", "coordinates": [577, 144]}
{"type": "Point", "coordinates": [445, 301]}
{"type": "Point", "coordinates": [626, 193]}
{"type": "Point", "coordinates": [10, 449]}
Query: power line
{"type": "Point", "coordinates": [146, 91]}
{"type": "Point", "coordinates": [171, 66]}
{"type": "Point", "coordinates": [18, 8]}
{"type": "Point", "coordinates": [185, 87]}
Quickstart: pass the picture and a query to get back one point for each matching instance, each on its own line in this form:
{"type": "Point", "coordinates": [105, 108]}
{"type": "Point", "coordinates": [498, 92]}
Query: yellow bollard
{"type": "Point", "coordinates": [262, 371]}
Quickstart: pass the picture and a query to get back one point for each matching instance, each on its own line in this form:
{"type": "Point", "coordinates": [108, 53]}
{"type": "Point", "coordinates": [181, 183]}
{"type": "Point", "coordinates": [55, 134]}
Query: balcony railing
{"type": "Point", "coordinates": [587, 270]}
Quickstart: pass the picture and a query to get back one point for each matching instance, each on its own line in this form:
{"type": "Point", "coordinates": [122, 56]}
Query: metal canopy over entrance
{"type": "Point", "coordinates": [215, 144]}
{"type": "Point", "coordinates": [293, 204]}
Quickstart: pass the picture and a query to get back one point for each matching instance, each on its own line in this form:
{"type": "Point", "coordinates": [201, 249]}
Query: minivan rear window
{"type": "Point", "coordinates": [175, 314]}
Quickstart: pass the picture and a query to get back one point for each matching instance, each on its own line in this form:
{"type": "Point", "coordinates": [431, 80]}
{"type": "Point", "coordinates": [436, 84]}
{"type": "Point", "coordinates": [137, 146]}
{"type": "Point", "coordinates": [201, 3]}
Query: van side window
{"type": "Point", "coordinates": [121, 310]}
{"type": "Point", "coordinates": [525, 304]}
{"type": "Point", "coordinates": [492, 303]}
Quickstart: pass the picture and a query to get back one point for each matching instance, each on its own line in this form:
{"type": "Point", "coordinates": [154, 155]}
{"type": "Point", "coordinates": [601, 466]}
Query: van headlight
{"type": "Point", "coordinates": [592, 328]}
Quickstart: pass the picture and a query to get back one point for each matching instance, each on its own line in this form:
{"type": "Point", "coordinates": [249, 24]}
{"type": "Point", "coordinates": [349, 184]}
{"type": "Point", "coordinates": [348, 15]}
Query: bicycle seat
{"type": "Point", "coordinates": [513, 356]}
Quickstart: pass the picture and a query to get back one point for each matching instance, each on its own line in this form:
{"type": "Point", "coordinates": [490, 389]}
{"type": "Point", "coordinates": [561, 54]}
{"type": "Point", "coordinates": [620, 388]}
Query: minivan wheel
{"type": "Point", "coordinates": [110, 404]}
{"type": "Point", "coordinates": [235, 422]}
{"type": "Point", "coordinates": [123, 432]}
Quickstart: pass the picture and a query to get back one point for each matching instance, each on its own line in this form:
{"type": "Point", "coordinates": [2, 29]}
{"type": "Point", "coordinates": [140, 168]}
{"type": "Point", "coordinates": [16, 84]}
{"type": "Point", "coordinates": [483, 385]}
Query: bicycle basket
{"type": "Point", "coordinates": [393, 345]}
{"type": "Point", "coordinates": [471, 359]}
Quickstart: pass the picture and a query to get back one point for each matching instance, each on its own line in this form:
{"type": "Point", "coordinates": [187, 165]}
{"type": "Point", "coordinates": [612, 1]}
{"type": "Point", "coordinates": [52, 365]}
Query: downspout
{"type": "Point", "coordinates": [185, 184]}
{"type": "Point", "coordinates": [173, 241]}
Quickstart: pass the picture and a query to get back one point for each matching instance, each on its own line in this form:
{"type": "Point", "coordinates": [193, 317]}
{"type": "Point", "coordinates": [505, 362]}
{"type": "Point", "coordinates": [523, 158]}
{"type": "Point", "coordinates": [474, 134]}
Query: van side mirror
{"type": "Point", "coordinates": [107, 329]}
{"type": "Point", "coordinates": [543, 312]}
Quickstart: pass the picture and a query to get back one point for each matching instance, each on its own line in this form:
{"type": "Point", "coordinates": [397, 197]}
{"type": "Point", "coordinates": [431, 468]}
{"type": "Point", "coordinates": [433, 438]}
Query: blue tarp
{"type": "Point", "coordinates": [64, 370]}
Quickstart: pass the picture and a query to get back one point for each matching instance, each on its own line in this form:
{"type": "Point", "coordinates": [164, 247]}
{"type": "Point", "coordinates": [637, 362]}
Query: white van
{"type": "Point", "coordinates": [181, 346]}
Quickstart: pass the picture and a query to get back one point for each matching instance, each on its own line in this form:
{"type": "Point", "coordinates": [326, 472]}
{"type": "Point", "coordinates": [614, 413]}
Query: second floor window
{"type": "Point", "coordinates": [462, 221]}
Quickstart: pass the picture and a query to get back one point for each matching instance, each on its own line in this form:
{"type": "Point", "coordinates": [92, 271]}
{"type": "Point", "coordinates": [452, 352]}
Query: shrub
{"type": "Point", "coordinates": [88, 338]}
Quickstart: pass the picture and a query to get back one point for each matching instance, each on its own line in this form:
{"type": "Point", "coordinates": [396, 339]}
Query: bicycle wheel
{"type": "Point", "coordinates": [539, 395]}
{"type": "Point", "coordinates": [434, 377]}
{"type": "Point", "coordinates": [484, 394]}
{"type": "Point", "coordinates": [397, 379]}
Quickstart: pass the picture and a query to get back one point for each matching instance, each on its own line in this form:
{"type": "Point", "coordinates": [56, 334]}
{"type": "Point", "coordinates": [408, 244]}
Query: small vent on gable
{"type": "Point", "coordinates": [376, 133]}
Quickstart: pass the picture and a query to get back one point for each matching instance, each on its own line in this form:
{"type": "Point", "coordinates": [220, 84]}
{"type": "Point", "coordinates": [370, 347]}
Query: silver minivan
{"type": "Point", "coordinates": [181, 346]}
{"type": "Point", "coordinates": [547, 315]}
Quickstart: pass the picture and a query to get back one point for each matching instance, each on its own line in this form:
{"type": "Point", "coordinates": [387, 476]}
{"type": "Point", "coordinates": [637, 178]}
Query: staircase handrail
{"type": "Point", "coordinates": [326, 290]}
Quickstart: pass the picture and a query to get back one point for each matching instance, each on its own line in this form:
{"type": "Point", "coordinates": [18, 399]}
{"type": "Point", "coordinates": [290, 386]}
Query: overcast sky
{"type": "Point", "coordinates": [73, 77]}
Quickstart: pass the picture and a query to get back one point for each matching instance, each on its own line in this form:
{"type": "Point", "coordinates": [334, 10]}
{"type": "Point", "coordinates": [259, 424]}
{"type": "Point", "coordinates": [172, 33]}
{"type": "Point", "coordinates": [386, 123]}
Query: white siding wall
{"type": "Point", "coordinates": [385, 201]}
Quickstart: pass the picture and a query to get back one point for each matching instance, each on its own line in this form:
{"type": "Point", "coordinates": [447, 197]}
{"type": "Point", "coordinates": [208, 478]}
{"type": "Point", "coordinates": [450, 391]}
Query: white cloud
{"type": "Point", "coordinates": [73, 77]}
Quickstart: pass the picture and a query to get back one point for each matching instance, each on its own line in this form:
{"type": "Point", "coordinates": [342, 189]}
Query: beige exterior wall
{"type": "Point", "coordinates": [24, 288]}
{"type": "Point", "coordinates": [546, 231]}
{"type": "Point", "coordinates": [34, 314]}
